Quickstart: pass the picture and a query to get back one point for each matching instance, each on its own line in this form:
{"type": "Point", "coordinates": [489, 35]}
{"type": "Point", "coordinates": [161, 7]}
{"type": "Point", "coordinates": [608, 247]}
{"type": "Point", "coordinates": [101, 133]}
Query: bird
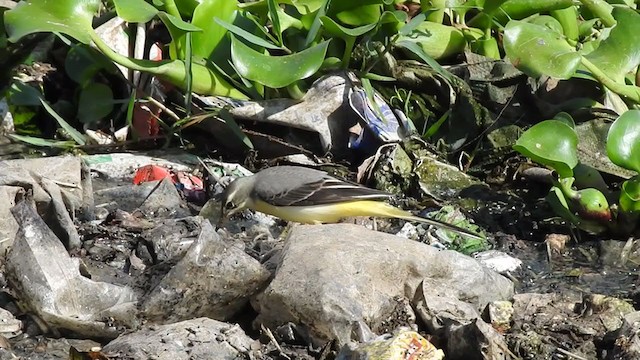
{"type": "Point", "coordinates": [310, 196]}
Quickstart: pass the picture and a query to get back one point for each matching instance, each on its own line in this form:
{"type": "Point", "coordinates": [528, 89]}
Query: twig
{"type": "Point", "coordinates": [570, 354]}
{"type": "Point", "coordinates": [273, 340]}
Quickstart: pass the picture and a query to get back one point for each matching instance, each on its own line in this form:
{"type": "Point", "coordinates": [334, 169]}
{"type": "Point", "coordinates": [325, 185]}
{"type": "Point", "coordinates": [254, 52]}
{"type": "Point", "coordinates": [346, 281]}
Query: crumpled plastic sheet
{"type": "Point", "coordinates": [55, 184]}
{"type": "Point", "coordinates": [48, 281]}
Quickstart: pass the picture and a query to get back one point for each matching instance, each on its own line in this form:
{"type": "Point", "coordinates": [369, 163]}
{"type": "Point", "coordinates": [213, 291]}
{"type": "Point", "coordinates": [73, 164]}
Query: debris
{"type": "Point", "coordinates": [404, 345]}
{"type": "Point", "coordinates": [498, 261]}
{"type": "Point", "coordinates": [49, 282]}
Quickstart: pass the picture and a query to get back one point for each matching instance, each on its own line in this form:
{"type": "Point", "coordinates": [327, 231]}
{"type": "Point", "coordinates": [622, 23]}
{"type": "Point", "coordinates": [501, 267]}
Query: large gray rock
{"type": "Point", "coordinates": [333, 277]}
{"type": "Point", "coordinates": [193, 339]}
{"type": "Point", "coordinates": [213, 279]}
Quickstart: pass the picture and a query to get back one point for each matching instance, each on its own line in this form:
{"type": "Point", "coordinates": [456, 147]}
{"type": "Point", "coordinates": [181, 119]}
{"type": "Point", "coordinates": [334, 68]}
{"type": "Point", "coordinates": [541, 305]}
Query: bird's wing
{"type": "Point", "coordinates": [298, 186]}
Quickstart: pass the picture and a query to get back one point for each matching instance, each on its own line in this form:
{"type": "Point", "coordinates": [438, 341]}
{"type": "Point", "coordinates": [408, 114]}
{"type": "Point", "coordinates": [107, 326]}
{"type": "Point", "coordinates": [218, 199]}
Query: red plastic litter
{"type": "Point", "coordinates": [151, 173]}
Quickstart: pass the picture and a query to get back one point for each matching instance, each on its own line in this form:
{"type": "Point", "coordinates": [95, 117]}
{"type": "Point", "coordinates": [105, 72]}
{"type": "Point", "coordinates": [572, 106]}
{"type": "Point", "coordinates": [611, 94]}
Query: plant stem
{"type": "Point", "coordinates": [349, 41]}
{"type": "Point", "coordinates": [629, 91]}
{"type": "Point", "coordinates": [601, 9]}
{"type": "Point", "coordinates": [206, 81]}
{"type": "Point", "coordinates": [295, 91]}
{"type": "Point", "coordinates": [171, 8]}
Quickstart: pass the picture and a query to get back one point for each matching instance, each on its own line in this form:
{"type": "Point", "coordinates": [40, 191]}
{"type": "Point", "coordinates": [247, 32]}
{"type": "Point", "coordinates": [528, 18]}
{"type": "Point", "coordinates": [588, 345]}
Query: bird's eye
{"type": "Point", "coordinates": [229, 205]}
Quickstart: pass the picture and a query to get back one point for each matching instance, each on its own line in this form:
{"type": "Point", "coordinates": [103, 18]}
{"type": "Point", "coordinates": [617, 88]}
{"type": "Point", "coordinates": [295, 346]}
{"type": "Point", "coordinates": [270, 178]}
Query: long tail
{"type": "Point", "coordinates": [387, 210]}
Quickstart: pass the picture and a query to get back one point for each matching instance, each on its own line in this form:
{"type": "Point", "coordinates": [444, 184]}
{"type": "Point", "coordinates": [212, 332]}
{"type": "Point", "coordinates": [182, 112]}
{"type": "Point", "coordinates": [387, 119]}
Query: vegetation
{"type": "Point", "coordinates": [275, 48]}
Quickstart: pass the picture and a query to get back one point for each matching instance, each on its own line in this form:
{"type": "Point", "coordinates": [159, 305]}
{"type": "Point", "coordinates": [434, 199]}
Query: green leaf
{"type": "Point", "coordinates": [42, 142]}
{"type": "Point", "coordinates": [412, 25]}
{"type": "Point", "coordinates": [566, 118]}
{"type": "Point", "coordinates": [276, 71]}
{"type": "Point", "coordinates": [356, 13]}
{"type": "Point", "coordinates": [551, 143]}
{"type": "Point", "coordinates": [619, 54]}
{"type": "Point", "coordinates": [538, 50]}
{"type": "Point", "coordinates": [69, 17]}
{"type": "Point", "coordinates": [428, 60]}
{"type": "Point", "coordinates": [337, 30]}
{"type": "Point", "coordinates": [247, 35]}
{"type": "Point", "coordinates": [24, 95]}
{"type": "Point", "coordinates": [205, 42]}
{"type": "Point", "coordinates": [630, 195]}
{"type": "Point", "coordinates": [233, 125]}
{"type": "Point", "coordinates": [83, 62]}
{"type": "Point", "coordinates": [177, 25]}
{"type": "Point", "coordinates": [275, 19]}
{"type": "Point", "coordinates": [75, 134]}
{"type": "Point", "coordinates": [437, 40]}
{"type": "Point", "coordinates": [96, 102]}
{"type": "Point", "coordinates": [316, 24]}
{"type": "Point", "coordinates": [135, 11]}
{"type": "Point", "coordinates": [393, 17]}
{"type": "Point", "coordinates": [623, 141]}
{"type": "Point", "coordinates": [307, 6]}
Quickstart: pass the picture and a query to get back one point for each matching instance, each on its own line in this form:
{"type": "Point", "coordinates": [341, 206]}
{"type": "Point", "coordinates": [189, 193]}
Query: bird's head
{"type": "Point", "coordinates": [236, 197]}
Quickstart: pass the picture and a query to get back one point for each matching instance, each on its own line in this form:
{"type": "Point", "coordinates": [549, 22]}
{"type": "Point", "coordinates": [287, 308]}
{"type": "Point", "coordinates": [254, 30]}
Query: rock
{"type": "Point", "coordinates": [55, 183]}
{"type": "Point", "coordinates": [8, 225]}
{"type": "Point", "coordinates": [200, 338]}
{"type": "Point", "coordinates": [172, 237]}
{"type": "Point", "coordinates": [333, 276]}
{"type": "Point", "coordinates": [542, 321]}
{"type": "Point", "coordinates": [156, 199]}
{"type": "Point", "coordinates": [625, 341]}
{"type": "Point", "coordinates": [213, 279]}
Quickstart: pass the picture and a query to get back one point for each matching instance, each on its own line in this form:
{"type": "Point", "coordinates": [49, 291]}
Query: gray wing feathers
{"type": "Point", "coordinates": [299, 186]}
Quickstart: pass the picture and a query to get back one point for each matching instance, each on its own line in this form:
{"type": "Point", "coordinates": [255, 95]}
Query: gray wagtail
{"type": "Point", "coordinates": [311, 196]}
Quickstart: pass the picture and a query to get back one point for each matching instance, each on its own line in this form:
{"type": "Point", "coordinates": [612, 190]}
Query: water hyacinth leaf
{"type": "Point", "coordinates": [175, 24]}
{"type": "Point", "coordinates": [356, 13]}
{"type": "Point", "coordinates": [205, 42]}
{"type": "Point", "coordinates": [337, 30]}
{"type": "Point", "coordinates": [630, 195]}
{"type": "Point", "coordinates": [548, 22]}
{"type": "Point", "coordinates": [177, 29]}
{"type": "Point", "coordinates": [307, 6]}
{"type": "Point", "coordinates": [96, 102]}
{"type": "Point", "coordinates": [437, 40]}
{"type": "Point", "coordinates": [83, 62]}
{"type": "Point", "coordinates": [135, 11]}
{"type": "Point", "coordinates": [565, 118]}
{"type": "Point", "coordinates": [416, 50]}
{"type": "Point", "coordinates": [69, 17]}
{"type": "Point", "coordinates": [623, 141]}
{"type": "Point", "coordinates": [287, 21]}
{"type": "Point", "coordinates": [412, 25]}
{"type": "Point", "coordinates": [238, 31]}
{"type": "Point", "coordinates": [551, 143]}
{"type": "Point", "coordinates": [619, 53]}
{"type": "Point", "coordinates": [393, 17]}
{"type": "Point", "coordinates": [276, 71]}
{"type": "Point", "coordinates": [538, 50]}
{"type": "Point", "coordinates": [24, 95]}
